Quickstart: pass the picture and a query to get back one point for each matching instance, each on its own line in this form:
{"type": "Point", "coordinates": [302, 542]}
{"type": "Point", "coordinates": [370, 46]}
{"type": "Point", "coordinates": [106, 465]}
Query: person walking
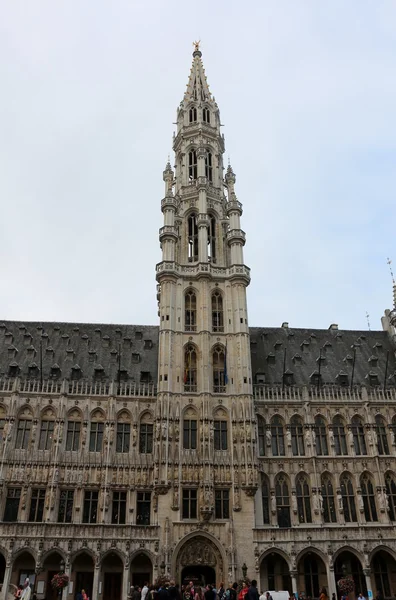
{"type": "Point", "coordinates": [252, 593]}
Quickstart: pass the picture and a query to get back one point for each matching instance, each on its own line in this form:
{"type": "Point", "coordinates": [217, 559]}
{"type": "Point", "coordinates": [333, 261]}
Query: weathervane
{"type": "Point", "coordinates": [196, 45]}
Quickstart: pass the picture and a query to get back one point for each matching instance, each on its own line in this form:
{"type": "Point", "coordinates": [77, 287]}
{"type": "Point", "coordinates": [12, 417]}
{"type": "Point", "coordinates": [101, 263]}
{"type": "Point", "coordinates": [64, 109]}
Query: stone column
{"type": "Point", "coordinates": [367, 575]}
{"type": "Point", "coordinates": [125, 581]}
{"type": "Point", "coordinates": [65, 591]}
{"type": "Point", "coordinates": [331, 582]}
{"type": "Point", "coordinates": [6, 580]}
{"type": "Point", "coordinates": [293, 575]}
{"type": "Point", "coordinates": [95, 585]}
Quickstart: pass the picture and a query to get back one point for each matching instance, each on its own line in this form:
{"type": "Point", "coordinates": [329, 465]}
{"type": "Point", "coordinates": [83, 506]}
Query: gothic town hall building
{"type": "Point", "coordinates": [200, 448]}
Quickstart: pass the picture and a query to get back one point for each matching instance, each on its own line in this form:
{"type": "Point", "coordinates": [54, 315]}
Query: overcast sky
{"type": "Point", "coordinates": [88, 97]}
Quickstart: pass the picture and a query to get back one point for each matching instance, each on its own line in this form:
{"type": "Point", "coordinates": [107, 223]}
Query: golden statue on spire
{"type": "Point", "coordinates": [196, 45]}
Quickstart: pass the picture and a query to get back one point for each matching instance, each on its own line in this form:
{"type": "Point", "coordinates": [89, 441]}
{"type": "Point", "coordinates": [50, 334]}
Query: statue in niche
{"type": "Point", "coordinates": [268, 436]}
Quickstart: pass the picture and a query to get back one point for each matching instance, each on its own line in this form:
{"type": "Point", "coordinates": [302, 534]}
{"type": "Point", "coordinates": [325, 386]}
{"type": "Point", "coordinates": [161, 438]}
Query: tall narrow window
{"type": "Point", "coordinates": [311, 573]}
{"type": "Point", "coordinates": [297, 436]}
{"type": "Point", "coordinates": [217, 312]}
{"type": "Point", "coordinates": [219, 374]}
{"type": "Point", "coordinates": [46, 435]}
{"type": "Point", "coordinates": [143, 508]}
{"type": "Point", "coordinates": [190, 434]}
{"type": "Point", "coordinates": [37, 505]}
{"type": "Point", "coordinates": [192, 238]}
{"type": "Point", "coordinates": [90, 509]}
{"type": "Point", "coordinates": [391, 493]}
{"type": "Point", "coordinates": [222, 504]}
{"type": "Point", "coordinates": [329, 510]}
{"type": "Point", "coordinates": [265, 497]}
{"type": "Point", "coordinates": [277, 437]}
{"type": "Point", "coordinates": [12, 505]}
{"type": "Point", "coordinates": [212, 240]}
{"type": "Point", "coordinates": [192, 165]}
{"type": "Point", "coordinates": [370, 509]}
{"type": "Point", "coordinates": [220, 435]}
{"type": "Point", "coordinates": [118, 509]}
{"type": "Point", "coordinates": [73, 435]}
{"type": "Point", "coordinates": [193, 114]}
{"type": "Point", "coordinates": [189, 504]}
{"type": "Point", "coordinates": [190, 311]}
{"type": "Point", "coordinates": [303, 499]}
{"type": "Point", "coordinates": [282, 501]}
{"type": "Point", "coordinates": [381, 574]}
{"type": "Point", "coordinates": [206, 115]}
{"type": "Point", "coordinates": [96, 437]}
{"type": "Point", "coordinates": [65, 513]}
{"type": "Point", "coordinates": [340, 445]}
{"type": "Point", "coordinates": [348, 499]}
{"type": "Point", "coordinates": [23, 434]}
{"type": "Point", "coordinates": [359, 441]}
{"type": "Point", "coordinates": [190, 369]}
{"type": "Point", "coordinates": [146, 438]}
{"type": "Point", "coordinates": [123, 437]}
{"type": "Point", "coordinates": [261, 435]}
{"type": "Point", "coordinates": [382, 437]}
{"type": "Point", "coordinates": [322, 448]}
{"type": "Point", "coordinates": [208, 166]}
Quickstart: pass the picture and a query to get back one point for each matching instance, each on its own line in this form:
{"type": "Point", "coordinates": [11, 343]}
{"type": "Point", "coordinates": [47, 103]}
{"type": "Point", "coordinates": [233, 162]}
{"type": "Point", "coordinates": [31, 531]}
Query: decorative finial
{"type": "Point", "coordinates": [196, 46]}
{"type": "Point", "coordinates": [368, 320]}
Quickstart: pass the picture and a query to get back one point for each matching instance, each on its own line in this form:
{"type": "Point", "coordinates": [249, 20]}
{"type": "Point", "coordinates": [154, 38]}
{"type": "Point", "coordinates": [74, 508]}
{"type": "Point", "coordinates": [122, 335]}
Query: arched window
{"type": "Point", "coordinates": [193, 114]}
{"type": "Point", "coordinates": [297, 436]}
{"type": "Point", "coordinates": [282, 501]}
{"type": "Point", "coordinates": [391, 493]}
{"type": "Point", "coordinates": [192, 165]}
{"type": "Point", "coordinates": [206, 115]}
{"type": "Point", "coordinates": [311, 573]}
{"type": "Point", "coordinates": [359, 440]}
{"type": "Point", "coordinates": [265, 495]}
{"type": "Point", "coordinates": [96, 432]}
{"type": "Point", "coordinates": [370, 509]}
{"type": "Point", "coordinates": [382, 437]}
{"type": "Point", "coordinates": [277, 437]}
{"type": "Point", "coordinates": [190, 311]}
{"type": "Point", "coordinates": [303, 499]}
{"type": "Point", "coordinates": [46, 434]}
{"type": "Point", "coordinates": [217, 312]}
{"type": "Point", "coordinates": [146, 434]}
{"type": "Point", "coordinates": [329, 510]}
{"type": "Point", "coordinates": [348, 499]}
{"type": "Point", "coordinates": [23, 433]}
{"type": "Point", "coordinates": [192, 238]}
{"type": "Point", "coordinates": [261, 435]}
{"type": "Point", "coordinates": [73, 431]}
{"type": "Point", "coordinates": [340, 445]}
{"type": "Point", "coordinates": [212, 240]}
{"type": "Point", "coordinates": [208, 166]}
{"type": "Point", "coordinates": [190, 369]}
{"type": "Point", "coordinates": [322, 448]}
{"type": "Point", "coordinates": [219, 370]}
{"type": "Point", "coordinates": [380, 569]}
{"type": "Point", "coordinates": [190, 430]}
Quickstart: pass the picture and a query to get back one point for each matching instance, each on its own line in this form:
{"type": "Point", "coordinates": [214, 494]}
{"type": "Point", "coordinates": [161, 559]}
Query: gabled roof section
{"type": "Point", "coordinates": [197, 86]}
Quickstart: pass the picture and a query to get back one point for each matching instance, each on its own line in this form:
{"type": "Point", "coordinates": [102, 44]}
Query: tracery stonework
{"type": "Point", "coordinates": [198, 552]}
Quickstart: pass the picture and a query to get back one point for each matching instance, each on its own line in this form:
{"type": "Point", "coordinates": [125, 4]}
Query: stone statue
{"type": "Point", "coordinates": [331, 436]}
{"type": "Point", "coordinates": [268, 436]}
{"type": "Point", "coordinates": [350, 437]}
{"type": "Point", "coordinates": [360, 502]}
{"type": "Point", "coordinates": [308, 438]}
{"type": "Point", "coordinates": [84, 435]}
{"type": "Point", "coordinates": [288, 437]}
{"type": "Point", "coordinates": [134, 435]}
{"type": "Point", "coordinates": [315, 502]}
{"type": "Point", "coordinates": [313, 437]}
{"type": "Point", "coordinates": [320, 502]}
{"type": "Point", "coordinates": [273, 504]}
{"type": "Point", "coordinates": [339, 500]}
{"type": "Point", "coordinates": [294, 503]}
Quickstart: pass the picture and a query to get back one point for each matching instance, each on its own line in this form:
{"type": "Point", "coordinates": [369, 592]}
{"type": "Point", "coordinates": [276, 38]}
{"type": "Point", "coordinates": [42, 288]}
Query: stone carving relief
{"type": "Point", "coordinates": [199, 552]}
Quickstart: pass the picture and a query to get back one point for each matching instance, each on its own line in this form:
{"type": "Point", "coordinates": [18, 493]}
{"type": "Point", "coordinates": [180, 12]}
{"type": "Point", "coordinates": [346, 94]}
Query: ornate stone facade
{"type": "Point", "coordinates": [202, 448]}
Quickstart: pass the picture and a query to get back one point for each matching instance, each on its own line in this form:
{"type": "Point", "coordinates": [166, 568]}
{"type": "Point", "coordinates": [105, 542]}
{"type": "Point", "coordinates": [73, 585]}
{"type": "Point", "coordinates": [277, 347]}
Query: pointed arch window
{"type": "Point", "coordinates": [261, 435]}
{"type": "Point", "coordinates": [391, 493]}
{"type": "Point", "coordinates": [370, 509]}
{"type": "Point", "coordinates": [265, 496]}
{"type": "Point", "coordinates": [217, 312]}
{"type": "Point", "coordinates": [359, 440]}
{"type": "Point", "coordinates": [381, 575]}
{"type": "Point", "coordinates": [219, 374]}
{"type": "Point", "coordinates": [311, 573]}
{"type": "Point", "coordinates": [23, 434]}
{"type": "Point", "coordinates": [190, 369]}
{"type": "Point", "coordinates": [192, 165]}
{"type": "Point", "coordinates": [46, 434]}
{"type": "Point", "coordinates": [382, 436]}
{"type": "Point", "coordinates": [329, 510]}
{"type": "Point", "coordinates": [193, 114]}
{"type": "Point", "coordinates": [297, 436]}
{"type": "Point", "coordinates": [190, 311]}
{"type": "Point", "coordinates": [303, 499]}
{"type": "Point", "coordinates": [277, 437]}
{"type": "Point", "coordinates": [192, 238]}
{"type": "Point", "coordinates": [209, 166]}
{"type": "Point", "coordinates": [282, 501]}
{"type": "Point", "coordinates": [348, 499]}
{"type": "Point", "coordinates": [322, 448]}
{"type": "Point", "coordinates": [206, 115]}
{"type": "Point", "coordinates": [340, 445]}
{"type": "Point", "coordinates": [212, 240]}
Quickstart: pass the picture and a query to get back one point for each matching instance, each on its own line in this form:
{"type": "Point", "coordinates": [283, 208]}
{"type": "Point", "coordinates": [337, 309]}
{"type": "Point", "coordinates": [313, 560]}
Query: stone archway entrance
{"type": "Point", "coordinates": [199, 560]}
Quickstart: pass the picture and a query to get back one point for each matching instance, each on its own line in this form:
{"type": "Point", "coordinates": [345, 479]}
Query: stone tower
{"type": "Point", "coordinates": [207, 450]}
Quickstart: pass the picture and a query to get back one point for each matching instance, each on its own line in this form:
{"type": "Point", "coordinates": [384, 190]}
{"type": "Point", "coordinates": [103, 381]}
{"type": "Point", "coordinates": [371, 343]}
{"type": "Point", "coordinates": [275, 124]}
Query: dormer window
{"type": "Point", "coordinates": [288, 378]}
{"type": "Point", "coordinates": [135, 357]}
{"type": "Point", "coordinates": [138, 335]}
{"type": "Point", "coordinates": [316, 378]}
{"type": "Point", "coordinates": [13, 370]}
{"type": "Point", "coordinates": [342, 379]}
{"type": "Point", "coordinates": [260, 378]}
{"type": "Point", "coordinates": [271, 358]}
{"type": "Point", "coordinates": [145, 376]}
{"type": "Point", "coordinates": [373, 379]}
{"type": "Point", "coordinates": [123, 374]}
{"type": "Point", "coordinates": [148, 344]}
{"type": "Point", "coordinates": [373, 360]}
{"type": "Point", "coordinates": [206, 115]}
{"type": "Point", "coordinates": [193, 114]}
{"type": "Point", "coordinates": [297, 359]}
{"type": "Point", "coordinates": [55, 371]}
{"type": "Point", "coordinates": [33, 371]}
{"type": "Point", "coordinates": [99, 372]}
{"type": "Point", "coordinates": [76, 372]}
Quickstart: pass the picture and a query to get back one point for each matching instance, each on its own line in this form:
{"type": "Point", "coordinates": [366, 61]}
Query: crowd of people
{"type": "Point", "coordinates": [172, 591]}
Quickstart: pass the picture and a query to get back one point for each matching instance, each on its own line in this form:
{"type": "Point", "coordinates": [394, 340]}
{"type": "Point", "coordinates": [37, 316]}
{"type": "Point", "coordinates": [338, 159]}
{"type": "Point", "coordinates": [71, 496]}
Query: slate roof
{"type": "Point", "coordinates": [94, 349]}
{"type": "Point", "coordinates": [304, 347]}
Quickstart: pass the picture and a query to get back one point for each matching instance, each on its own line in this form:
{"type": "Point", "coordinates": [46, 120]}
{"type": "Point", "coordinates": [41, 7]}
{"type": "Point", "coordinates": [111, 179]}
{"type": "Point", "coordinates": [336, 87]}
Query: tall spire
{"type": "Point", "coordinates": [197, 86]}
